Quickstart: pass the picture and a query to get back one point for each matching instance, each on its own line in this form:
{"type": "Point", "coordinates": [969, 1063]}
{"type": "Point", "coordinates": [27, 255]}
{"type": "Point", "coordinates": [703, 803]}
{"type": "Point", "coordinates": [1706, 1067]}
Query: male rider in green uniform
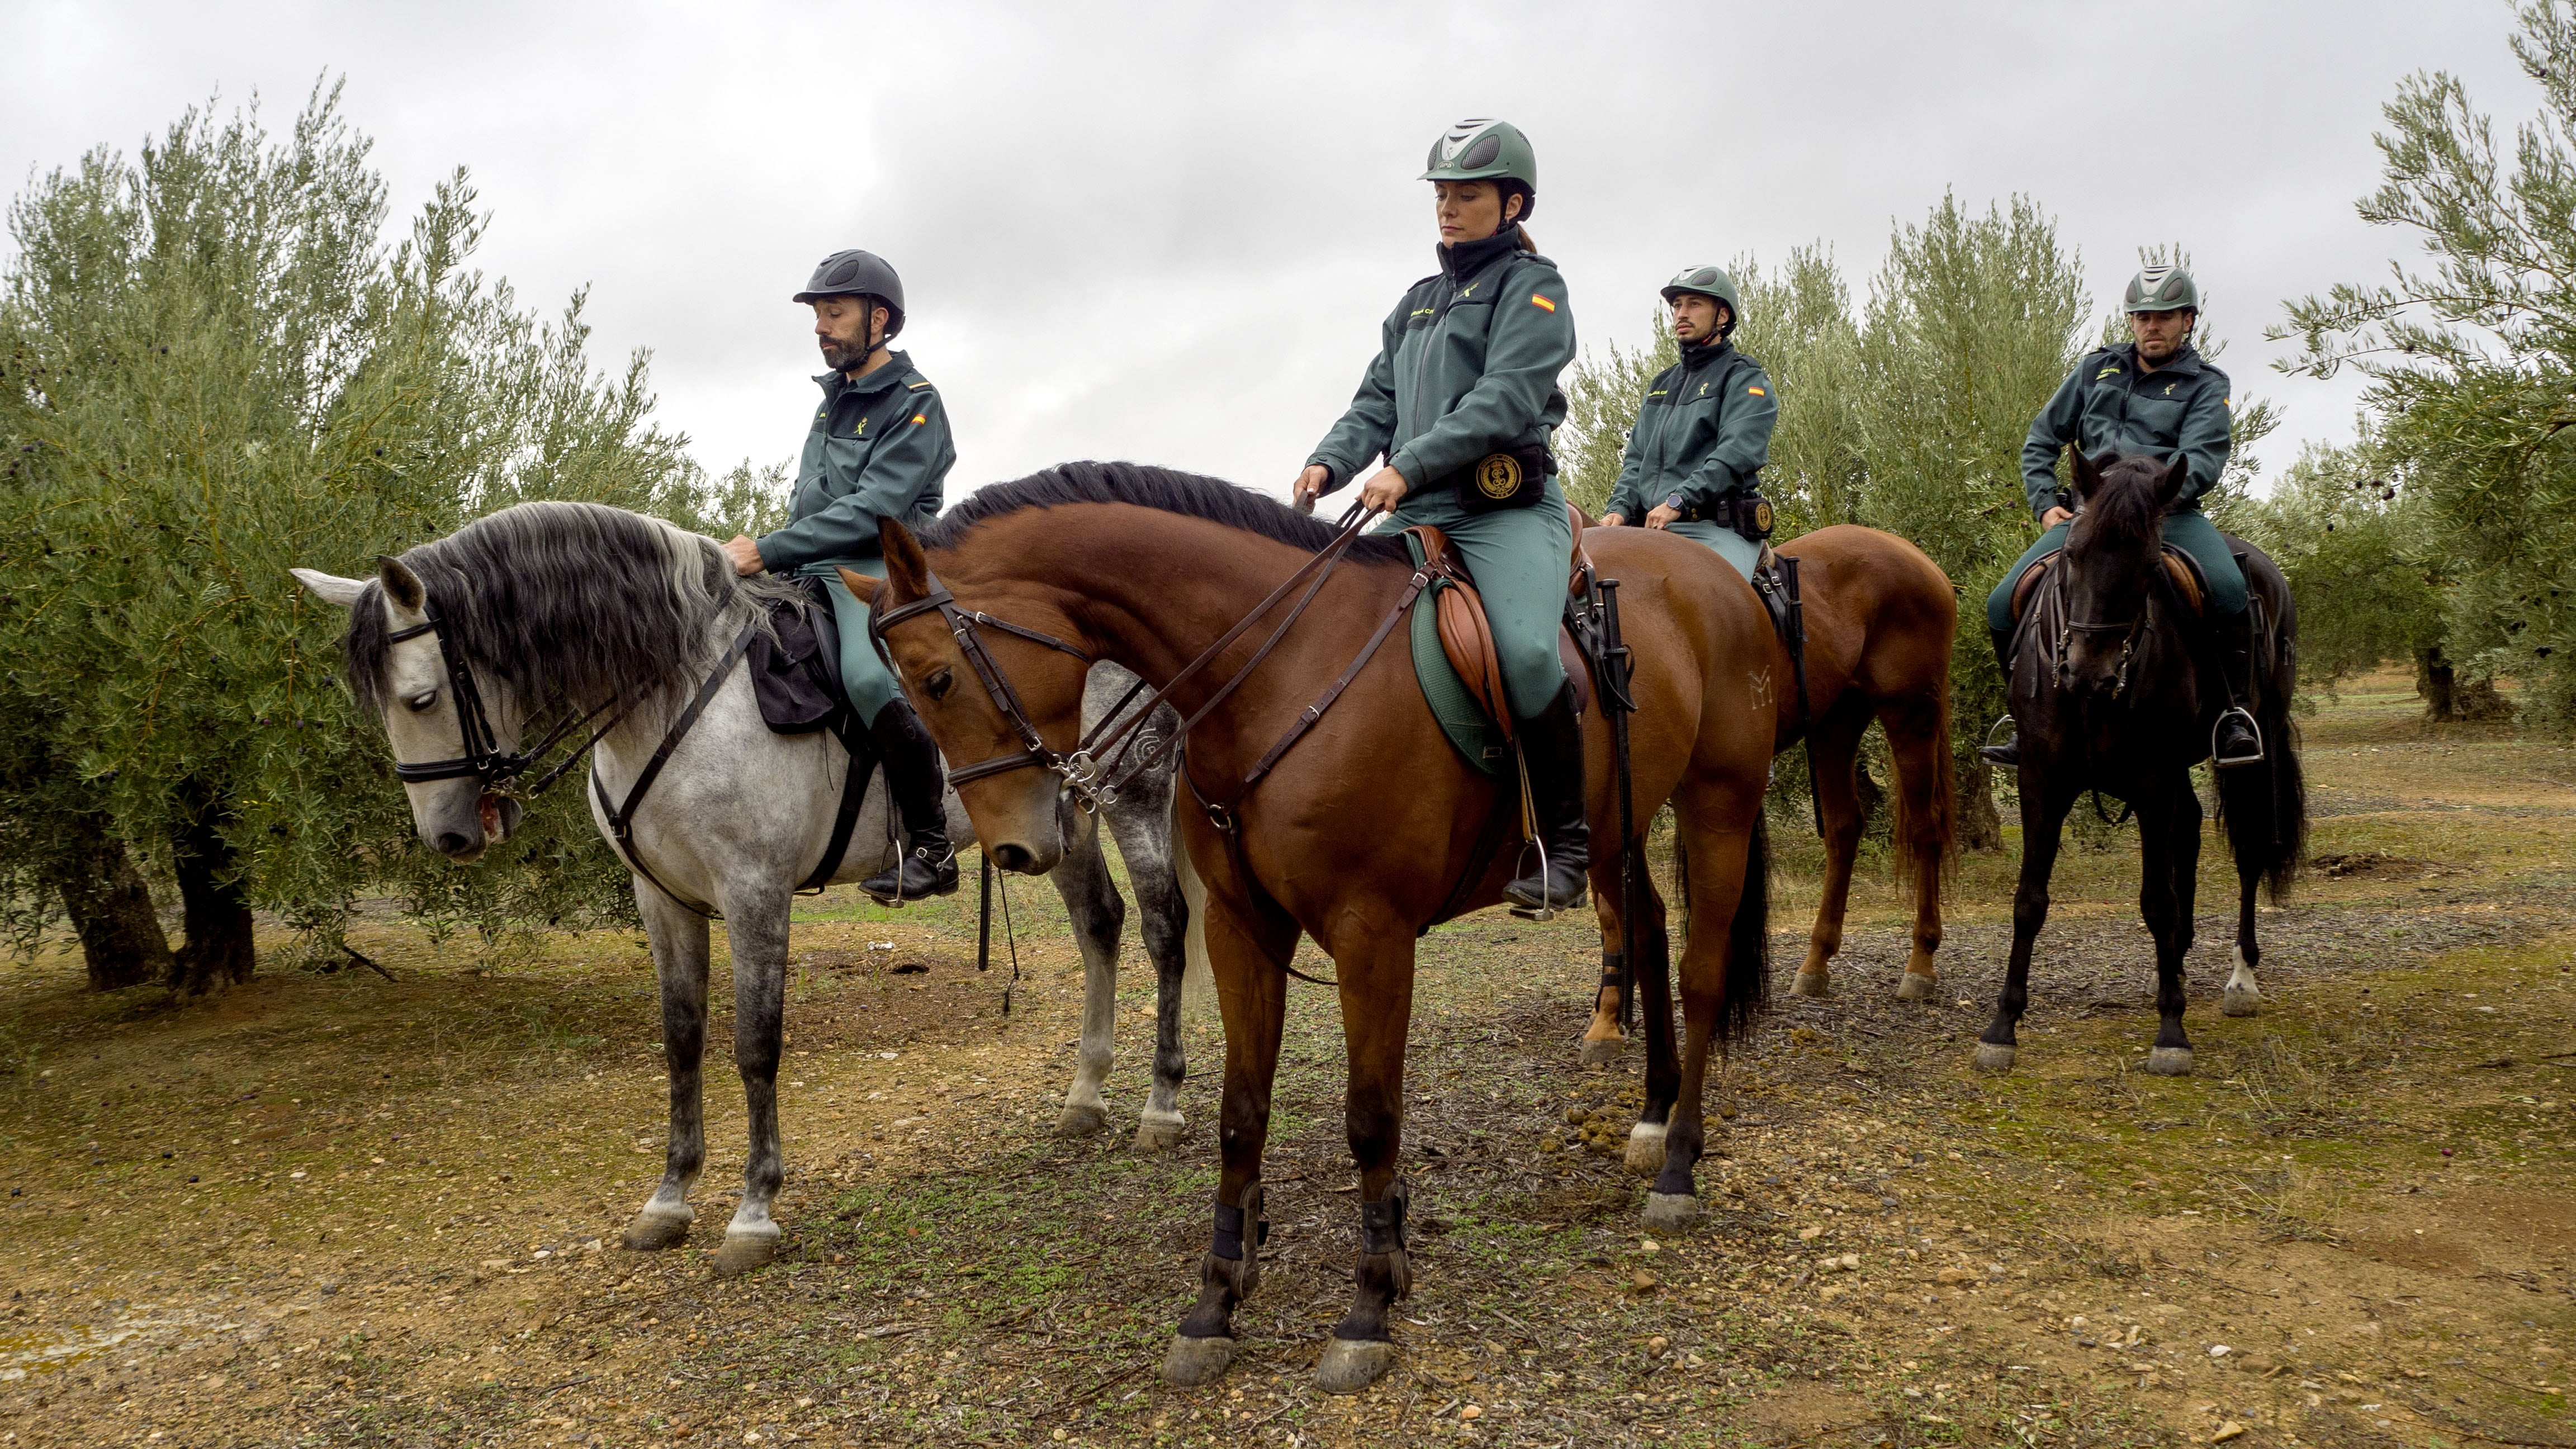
{"type": "Point", "coordinates": [2153, 395]}
{"type": "Point", "coordinates": [1703, 431]}
{"type": "Point", "coordinates": [878, 446]}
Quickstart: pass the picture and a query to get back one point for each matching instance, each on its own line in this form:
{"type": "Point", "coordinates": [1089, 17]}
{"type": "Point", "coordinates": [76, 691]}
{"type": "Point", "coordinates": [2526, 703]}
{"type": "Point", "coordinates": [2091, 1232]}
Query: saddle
{"type": "Point", "coordinates": [2180, 567]}
{"type": "Point", "coordinates": [795, 670]}
{"type": "Point", "coordinates": [1467, 637]}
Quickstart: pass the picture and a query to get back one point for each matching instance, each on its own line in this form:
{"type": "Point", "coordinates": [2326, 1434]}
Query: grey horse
{"type": "Point", "coordinates": [545, 608]}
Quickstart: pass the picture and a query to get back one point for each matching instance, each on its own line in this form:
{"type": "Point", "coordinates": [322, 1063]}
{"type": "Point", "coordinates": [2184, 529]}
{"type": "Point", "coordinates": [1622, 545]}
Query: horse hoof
{"type": "Point", "coordinates": [2170, 1061]}
{"type": "Point", "coordinates": [1603, 1052]}
{"type": "Point", "coordinates": [1993, 1058]}
{"type": "Point", "coordinates": [652, 1232]}
{"type": "Point", "coordinates": [1349, 1366]}
{"type": "Point", "coordinates": [1915, 986]}
{"type": "Point", "coordinates": [1646, 1149]}
{"type": "Point", "coordinates": [743, 1252]}
{"type": "Point", "coordinates": [1195, 1361]}
{"type": "Point", "coordinates": [2246, 1002]}
{"type": "Point", "coordinates": [1809, 983]}
{"type": "Point", "coordinates": [1671, 1212]}
{"type": "Point", "coordinates": [1081, 1121]}
{"type": "Point", "coordinates": [1154, 1136]}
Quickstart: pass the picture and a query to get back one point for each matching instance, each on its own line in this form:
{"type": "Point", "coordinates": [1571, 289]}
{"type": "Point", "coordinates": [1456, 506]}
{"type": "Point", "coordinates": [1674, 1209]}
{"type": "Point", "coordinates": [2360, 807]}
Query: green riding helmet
{"type": "Point", "coordinates": [1708, 282]}
{"type": "Point", "coordinates": [2162, 289]}
{"type": "Point", "coordinates": [1485, 150]}
{"type": "Point", "coordinates": [855, 273]}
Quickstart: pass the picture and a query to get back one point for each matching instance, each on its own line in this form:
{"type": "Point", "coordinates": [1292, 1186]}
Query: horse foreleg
{"type": "Point", "coordinates": [756, 927]}
{"type": "Point", "coordinates": [1091, 899]}
{"type": "Point", "coordinates": [1377, 1007]}
{"type": "Point", "coordinates": [1834, 745]}
{"type": "Point", "coordinates": [2164, 902]}
{"type": "Point", "coordinates": [1602, 1038]}
{"type": "Point", "coordinates": [1163, 915]}
{"type": "Point", "coordinates": [679, 939]}
{"type": "Point", "coordinates": [1918, 741]}
{"type": "Point", "coordinates": [2043, 819]}
{"type": "Point", "coordinates": [1246, 958]}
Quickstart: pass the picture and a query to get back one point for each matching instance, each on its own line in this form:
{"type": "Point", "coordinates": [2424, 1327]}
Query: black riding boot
{"type": "Point", "coordinates": [929, 866]}
{"type": "Point", "coordinates": [1552, 749]}
{"type": "Point", "coordinates": [2234, 740]}
{"type": "Point", "coordinates": [2008, 754]}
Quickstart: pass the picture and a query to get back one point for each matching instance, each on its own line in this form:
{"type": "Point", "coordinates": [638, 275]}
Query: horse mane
{"type": "Point", "coordinates": [573, 602]}
{"type": "Point", "coordinates": [1189, 494]}
{"type": "Point", "coordinates": [2123, 509]}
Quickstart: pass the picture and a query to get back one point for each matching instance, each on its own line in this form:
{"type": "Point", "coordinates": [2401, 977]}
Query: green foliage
{"type": "Point", "coordinates": [2472, 360]}
{"type": "Point", "coordinates": [2351, 544]}
{"type": "Point", "coordinates": [215, 368]}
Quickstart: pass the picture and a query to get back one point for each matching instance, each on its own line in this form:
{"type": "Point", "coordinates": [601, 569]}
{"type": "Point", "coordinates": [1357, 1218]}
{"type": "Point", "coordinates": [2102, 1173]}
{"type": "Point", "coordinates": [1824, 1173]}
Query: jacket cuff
{"type": "Point", "coordinates": [775, 554]}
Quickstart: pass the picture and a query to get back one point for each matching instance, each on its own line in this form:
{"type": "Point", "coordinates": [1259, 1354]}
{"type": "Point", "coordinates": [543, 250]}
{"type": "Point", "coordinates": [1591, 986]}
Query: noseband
{"type": "Point", "coordinates": [2128, 633]}
{"type": "Point", "coordinates": [484, 759]}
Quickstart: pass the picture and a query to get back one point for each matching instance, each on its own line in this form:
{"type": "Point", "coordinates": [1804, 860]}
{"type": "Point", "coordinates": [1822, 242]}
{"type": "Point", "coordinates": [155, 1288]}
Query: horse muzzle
{"type": "Point", "coordinates": [467, 825]}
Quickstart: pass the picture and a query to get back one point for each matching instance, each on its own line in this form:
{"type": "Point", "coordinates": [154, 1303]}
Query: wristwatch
{"type": "Point", "coordinates": [1675, 504]}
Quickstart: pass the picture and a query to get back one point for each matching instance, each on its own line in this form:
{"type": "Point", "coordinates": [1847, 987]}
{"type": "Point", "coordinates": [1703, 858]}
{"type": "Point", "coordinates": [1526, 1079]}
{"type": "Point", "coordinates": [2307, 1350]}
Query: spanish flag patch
{"type": "Point", "coordinates": [921, 417]}
{"type": "Point", "coordinates": [1757, 392]}
{"type": "Point", "coordinates": [1541, 302]}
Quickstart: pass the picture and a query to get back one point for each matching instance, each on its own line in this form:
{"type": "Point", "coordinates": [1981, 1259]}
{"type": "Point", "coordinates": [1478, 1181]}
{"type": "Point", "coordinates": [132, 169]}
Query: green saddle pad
{"type": "Point", "coordinates": [1461, 718]}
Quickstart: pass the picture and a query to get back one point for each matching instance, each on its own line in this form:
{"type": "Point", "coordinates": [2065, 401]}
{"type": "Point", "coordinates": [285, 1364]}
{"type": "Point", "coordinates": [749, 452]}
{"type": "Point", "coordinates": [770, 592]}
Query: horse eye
{"type": "Point", "coordinates": [939, 684]}
{"type": "Point", "coordinates": [422, 700]}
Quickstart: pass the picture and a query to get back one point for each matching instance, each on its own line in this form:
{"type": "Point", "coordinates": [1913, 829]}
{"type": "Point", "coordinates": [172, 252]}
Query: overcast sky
{"type": "Point", "coordinates": [1168, 232]}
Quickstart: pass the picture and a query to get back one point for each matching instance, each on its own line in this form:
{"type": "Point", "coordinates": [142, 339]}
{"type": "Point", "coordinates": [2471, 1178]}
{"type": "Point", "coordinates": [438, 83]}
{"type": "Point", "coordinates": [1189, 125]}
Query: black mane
{"type": "Point", "coordinates": [2126, 517]}
{"type": "Point", "coordinates": [1191, 494]}
{"type": "Point", "coordinates": [564, 602]}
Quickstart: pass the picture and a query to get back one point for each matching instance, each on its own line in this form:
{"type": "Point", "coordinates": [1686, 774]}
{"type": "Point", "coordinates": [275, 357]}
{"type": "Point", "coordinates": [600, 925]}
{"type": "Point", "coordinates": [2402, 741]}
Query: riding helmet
{"type": "Point", "coordinates": [855, 273]}
{"type": "Point", "coordinates": [2162, 289]}
{"type": "Point", "coordinates": [1479, 149]}
{"type": "Point", "coordinates": [1707, 282]}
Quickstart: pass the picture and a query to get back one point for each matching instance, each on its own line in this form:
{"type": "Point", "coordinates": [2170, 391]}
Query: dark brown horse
{"type": "Point", "coordinates": [1365, 833]}
{"type": "Point", "coordinates": [1880, 616]}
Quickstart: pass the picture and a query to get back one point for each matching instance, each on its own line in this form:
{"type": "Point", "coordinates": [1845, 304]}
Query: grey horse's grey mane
{"type": "Point", "coordinates": [567, 603]}
{"type": "Point", "coordinates": [1168, 489]}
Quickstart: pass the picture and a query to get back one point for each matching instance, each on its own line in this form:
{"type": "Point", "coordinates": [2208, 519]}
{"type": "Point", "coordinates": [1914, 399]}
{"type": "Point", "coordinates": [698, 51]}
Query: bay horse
{"type": "Point", "coordinates": [554, 610]}
{"type": "Point", "coordinates": [1364, 834]}
{"type": "Point", "coordinates": [1880, 616]}
{"type": "Point", "coordinates": [2107, 691]}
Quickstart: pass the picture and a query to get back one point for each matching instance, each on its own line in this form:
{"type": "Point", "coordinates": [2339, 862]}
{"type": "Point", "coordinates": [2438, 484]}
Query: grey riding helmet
{"type": "Point", "coordinates": [855, 273]}
{"type": "Point", "coordinates": [2162, 289]}
{"type": "Point", "coordinates": [1712, 282]}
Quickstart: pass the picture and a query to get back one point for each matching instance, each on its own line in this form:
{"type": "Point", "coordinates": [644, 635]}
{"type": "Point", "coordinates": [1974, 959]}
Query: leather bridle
{"type": "Point", "coordinates": [483, 759]}
{"type": "Point", "coordinates": [1103, 762]}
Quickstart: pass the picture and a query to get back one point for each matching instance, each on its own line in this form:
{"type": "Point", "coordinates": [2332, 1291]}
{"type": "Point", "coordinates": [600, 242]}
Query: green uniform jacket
{"type": "Point", "coordinates": [1467, 364]}
{"type": "Point", "coordinates": [1703, 432]}
{"type": "Point", "coordinates": [2107, 404]}
{"type": "Point", "coordinates": [879, 445]}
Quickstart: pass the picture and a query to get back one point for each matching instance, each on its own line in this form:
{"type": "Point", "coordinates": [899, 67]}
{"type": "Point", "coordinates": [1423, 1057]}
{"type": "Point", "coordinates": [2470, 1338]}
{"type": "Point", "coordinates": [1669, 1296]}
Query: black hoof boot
{"type": "Point", "coordinates": [1552, 751]}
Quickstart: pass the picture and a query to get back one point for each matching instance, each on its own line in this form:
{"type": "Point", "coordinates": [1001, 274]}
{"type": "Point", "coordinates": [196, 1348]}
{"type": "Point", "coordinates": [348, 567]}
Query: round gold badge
{"type": "Point", "coordinates": [1498, 476]}
{"type": "Point", "coordinates": [1762, 514]}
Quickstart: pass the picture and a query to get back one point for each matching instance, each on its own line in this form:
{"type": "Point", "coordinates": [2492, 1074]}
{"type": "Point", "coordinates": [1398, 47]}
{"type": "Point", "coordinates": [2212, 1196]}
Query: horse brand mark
{"type": "Point", "coordinates": [1758, 684]}
{"type": "Point", "coordinates": [1498, 476]}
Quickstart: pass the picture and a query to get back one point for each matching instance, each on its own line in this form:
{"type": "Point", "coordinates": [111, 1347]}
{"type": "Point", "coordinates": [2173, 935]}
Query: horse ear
{"type": "Point", "coordinates": [2089, 471]}
{"type": "Point", "coordinates": [861, 587]}
{"type": "Point", "coordinates": [330, 588]}
{"type": "Point", "coordinates": [907, 567]}
{"type": "Point", "coordinates": [401, 584]}
{"type": "Point", "coordinates": [2169, 487]}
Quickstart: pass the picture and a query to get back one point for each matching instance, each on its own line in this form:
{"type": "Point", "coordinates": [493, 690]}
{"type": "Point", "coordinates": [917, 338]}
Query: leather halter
{"type": "Point", "coordinates": [1091, 771]}
{"type": "Point", "coordinates": [484, 759]}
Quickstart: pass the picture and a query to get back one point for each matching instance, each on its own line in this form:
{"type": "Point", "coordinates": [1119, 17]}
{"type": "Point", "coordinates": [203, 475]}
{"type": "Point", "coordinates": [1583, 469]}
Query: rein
{"type": "Point", "coordinates": [483, 757]}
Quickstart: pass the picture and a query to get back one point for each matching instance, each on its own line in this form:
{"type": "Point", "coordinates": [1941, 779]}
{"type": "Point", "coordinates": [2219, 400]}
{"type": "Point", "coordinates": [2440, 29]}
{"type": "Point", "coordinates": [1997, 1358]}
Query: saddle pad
{"type": "Point", "coordinates": [796, 677]}
{"type": "Point", "coordinates": [1461, 718]}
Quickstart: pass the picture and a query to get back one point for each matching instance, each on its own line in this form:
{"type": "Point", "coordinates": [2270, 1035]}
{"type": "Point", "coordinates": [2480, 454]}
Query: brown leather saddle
{"type": "Point", "coordinates": [2180, 567]}
{"type": "Point", "coordinates": [1468, 638]}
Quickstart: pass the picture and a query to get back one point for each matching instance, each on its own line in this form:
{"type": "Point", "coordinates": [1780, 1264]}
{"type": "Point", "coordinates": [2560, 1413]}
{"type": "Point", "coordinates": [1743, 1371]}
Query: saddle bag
{"type": "Point", "coordinates": [796, 676]}
{"type": "Point", "coordinates": [1749, 514]}
{"type": "Point", "coordinates": [1509, 478]}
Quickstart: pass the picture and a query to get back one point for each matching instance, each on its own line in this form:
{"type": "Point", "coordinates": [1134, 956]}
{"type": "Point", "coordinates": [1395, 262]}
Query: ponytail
{"type": "Point", "coordinates": [1526, 244]}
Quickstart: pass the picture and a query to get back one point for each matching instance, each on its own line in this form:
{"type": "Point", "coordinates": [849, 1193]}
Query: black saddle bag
{"type": "Point", "coordinates": [1509, 478]}
{"type": "Point", "coordinates": [797, 676]}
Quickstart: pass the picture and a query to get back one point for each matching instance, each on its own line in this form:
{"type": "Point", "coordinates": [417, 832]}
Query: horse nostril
{"type": "Point", "coordinates": [1015, 858]}
{"type": "Point", "coordinates": [451, 841]}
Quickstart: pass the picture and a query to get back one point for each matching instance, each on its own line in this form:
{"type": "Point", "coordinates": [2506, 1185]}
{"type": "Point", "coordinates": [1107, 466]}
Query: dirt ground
{"type": "Point", "coordinates": [342, 1209]}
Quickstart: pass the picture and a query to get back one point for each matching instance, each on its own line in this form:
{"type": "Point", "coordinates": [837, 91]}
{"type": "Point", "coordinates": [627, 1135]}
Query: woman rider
{"type": "Point", "coordinates": [1461, 402]}
{"type": "Point", "coordinates": [1703, 431]}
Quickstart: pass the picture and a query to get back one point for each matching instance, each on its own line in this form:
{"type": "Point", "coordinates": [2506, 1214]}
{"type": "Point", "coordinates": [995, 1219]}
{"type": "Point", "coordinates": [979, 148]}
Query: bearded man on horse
{"type": "Point", "coordinates": [1703, 431]}
{"type": "Point", "coordinates": [1461, 402]}
{"type": "Point", "coordinates": [2154, 395]}
{"type": "Point", "coordinates": [878, 446]}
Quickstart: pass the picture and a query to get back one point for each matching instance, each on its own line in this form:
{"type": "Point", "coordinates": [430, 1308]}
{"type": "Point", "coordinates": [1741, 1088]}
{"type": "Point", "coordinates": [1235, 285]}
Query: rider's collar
{"type": "Point", "coordinates": [1696, 355]}
{"type": "Point", "coordinates": [1466, 258]}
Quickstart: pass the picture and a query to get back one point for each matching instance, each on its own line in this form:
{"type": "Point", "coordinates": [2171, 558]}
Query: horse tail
{"type": "Point", "coordinates": [1748, 941]}
{"type": "Point", "coordinates": [1933, 830]}
{"type": "Point", "coordinates": [2266, 805]}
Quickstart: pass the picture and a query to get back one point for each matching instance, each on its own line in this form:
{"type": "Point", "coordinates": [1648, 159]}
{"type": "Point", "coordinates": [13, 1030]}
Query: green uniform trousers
{"type": "Point", "coordinates": [871, 686]}
{"type": "Point", "coordinates": [1731, 546]}
{"type": "Point", "coordinates": [1520, 558]}
{"type": "Point", "coordinates": [2190, 530]}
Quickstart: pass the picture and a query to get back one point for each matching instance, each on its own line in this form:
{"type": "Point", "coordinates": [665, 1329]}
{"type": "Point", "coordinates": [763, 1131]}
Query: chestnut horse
{"type": "Point", "coordinates": [1879, 616]}
{"type": "Point", "coordinates": [1367, 832]}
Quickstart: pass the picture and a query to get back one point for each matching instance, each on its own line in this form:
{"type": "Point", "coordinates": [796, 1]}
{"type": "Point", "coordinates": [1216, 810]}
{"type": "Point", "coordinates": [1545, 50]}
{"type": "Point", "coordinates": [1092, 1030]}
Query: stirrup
{"type": "Point", "coordinates": [2226, 762]}
{"type": "Point", "coordinates": [1546, 909]}
{"type": "Point", "coordinates": [2005, 751]}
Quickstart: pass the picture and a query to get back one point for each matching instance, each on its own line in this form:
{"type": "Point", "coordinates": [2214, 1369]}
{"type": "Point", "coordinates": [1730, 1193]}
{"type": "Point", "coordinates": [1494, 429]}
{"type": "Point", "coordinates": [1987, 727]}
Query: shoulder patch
{"type": "Point", "coordinates": [1757, 392]}
{"type": "Point", "coordinates": [921, 417]}
{"type": "Point", "coordinates": [1541, 302]}
{"type": "Point", "coordinates": [2111, 371]}
{"type": "Point", "coordinates": [918, 386]}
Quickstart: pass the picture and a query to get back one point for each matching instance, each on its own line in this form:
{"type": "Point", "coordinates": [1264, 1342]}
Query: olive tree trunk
{"type": "Point", "coordinates": [216, 912]}
{"type": "Point", "coordinates": [121, 939]}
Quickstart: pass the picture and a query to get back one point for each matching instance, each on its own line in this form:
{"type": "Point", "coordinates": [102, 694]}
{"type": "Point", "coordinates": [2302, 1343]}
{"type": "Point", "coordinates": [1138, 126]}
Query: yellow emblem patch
{"type": "Point", "coordinates": [921, 417]}
{"type": "Point", "coordinates": [1757, 392]}
{"type": "Point", "coordinates": [1541, 302]}
{"type": "Point", "coordinates": [1498, 476]}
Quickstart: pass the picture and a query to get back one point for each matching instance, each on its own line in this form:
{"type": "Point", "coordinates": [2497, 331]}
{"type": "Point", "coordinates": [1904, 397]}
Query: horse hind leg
{"type": "Point", "coordinates": [757, 930]}
{"type": "Point", "coordinates": [1834, 746]}
{"type": "Point", "coordinates": [1645, 1151]}
{"type": "Point", "coordinates": [1145, 843]}
{"type": "Point", "coordinates": [1918, 741]}
{"type": "Point", "coordinates": [2244, 996]}
{"type": "Point", "coordinates": [679, 939]}
{"type": "Point", "coordinates": [1099, 916]}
